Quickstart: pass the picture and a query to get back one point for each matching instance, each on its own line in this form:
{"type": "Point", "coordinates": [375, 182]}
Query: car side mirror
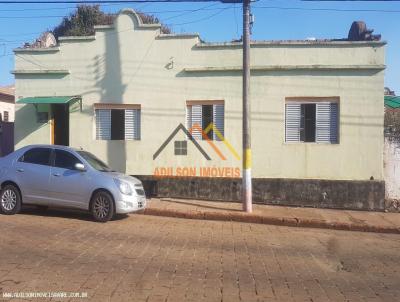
{"type": "Point", "coordinates": [80, 167]}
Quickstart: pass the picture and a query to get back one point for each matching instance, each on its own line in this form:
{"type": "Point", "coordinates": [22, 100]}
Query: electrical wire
{"type": "Point", "coordinates": [202, 19]}
{"type": "Point", "coordinates": [190, 11]}
{"type": "Point", "coordinates": [102, 1]}
{"type": "Point", "coordinates": [208, 8]}
{"type": "Point", "coordinates": [328, 9]}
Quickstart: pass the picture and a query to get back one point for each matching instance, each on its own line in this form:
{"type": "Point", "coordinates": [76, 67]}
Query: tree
{"type": "Point", "coordinates": [82, 21]}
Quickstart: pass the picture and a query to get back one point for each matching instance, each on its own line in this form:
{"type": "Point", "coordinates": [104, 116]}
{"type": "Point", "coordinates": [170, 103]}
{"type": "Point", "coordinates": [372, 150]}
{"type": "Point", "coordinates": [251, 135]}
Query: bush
{"type": "Point", "coordinates": [82, 21]}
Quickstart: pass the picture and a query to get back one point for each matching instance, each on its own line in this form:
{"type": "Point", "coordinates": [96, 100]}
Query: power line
{"type": "Point", "coordinates": [101, 1]}
{"type": "Point", "coordinates": [183, 11]}
{"type": "Point", "coordinates": [330, 9]}
{"type": "Point", "coordinates": [208, 8]}
{"type": "Point", "coordinates": [190, 11]}
{"type": "Point", "coordinates": [50, 8]}
{"type": "Point", "coordinates": [116, 32]}
{"type": "Point", "coordinates": [202, 19]}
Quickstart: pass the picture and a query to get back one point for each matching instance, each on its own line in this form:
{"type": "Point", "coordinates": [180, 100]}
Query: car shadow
{"type": "Point", "coordinates": [63, 213]}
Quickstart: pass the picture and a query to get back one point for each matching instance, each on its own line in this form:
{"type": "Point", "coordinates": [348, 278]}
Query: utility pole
{"type": "Point", "coordinates": [246, 172]}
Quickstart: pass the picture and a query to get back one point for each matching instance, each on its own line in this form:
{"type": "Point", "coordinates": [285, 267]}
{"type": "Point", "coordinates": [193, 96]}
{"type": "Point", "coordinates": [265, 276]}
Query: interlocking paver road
{"type": "Point", "coordinates": [145, 258]}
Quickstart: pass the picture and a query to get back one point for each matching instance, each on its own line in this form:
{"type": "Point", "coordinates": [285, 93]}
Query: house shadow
{"type": "Point", "coordinates": [187, 203]}
{"type": "Point", "coordinates": [112, 91]}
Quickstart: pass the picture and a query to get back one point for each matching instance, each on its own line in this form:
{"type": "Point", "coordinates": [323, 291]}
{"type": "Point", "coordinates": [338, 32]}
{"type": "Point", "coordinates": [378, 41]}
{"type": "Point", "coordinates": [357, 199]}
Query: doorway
{"type": "Point", "coordinates": [60, 124]}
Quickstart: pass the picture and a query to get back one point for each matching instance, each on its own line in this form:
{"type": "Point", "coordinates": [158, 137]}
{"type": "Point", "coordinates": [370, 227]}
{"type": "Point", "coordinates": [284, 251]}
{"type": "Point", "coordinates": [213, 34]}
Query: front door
{"type": "Point", "coordinates": [60, 128]}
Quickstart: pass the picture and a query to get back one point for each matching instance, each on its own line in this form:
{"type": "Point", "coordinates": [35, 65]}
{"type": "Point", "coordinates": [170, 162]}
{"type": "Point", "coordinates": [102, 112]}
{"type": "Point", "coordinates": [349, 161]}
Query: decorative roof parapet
{"type": "Point", "coordinates": [30, 50]}
{"type": "Point", "coordinates": [178, 36]}
{"type": "Point", "coordinates": [40, 71]}
{"type": "Point", "coordinates": [332, 43]}
{"type": "Point", "coordinates": [284, 68]}
{"type": "Point", "coordinates": [77, 38]}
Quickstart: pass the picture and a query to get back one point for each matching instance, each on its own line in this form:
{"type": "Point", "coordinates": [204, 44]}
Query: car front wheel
{"type": "Point", "coordinates": [10, 200]}
{"type": "Point", "coordinates": [102, 206]}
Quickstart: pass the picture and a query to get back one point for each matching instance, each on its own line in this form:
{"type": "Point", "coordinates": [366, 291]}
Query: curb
{"type": "Point", "coordinates": [291, 222]}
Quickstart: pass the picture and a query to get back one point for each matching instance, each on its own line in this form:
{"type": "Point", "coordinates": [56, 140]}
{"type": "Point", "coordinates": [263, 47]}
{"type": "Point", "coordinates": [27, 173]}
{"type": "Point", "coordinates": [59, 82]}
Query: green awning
{"type": "Point", "coordinates": [48, 100]}
{"type": "Point", "coordinates": [392, 101]}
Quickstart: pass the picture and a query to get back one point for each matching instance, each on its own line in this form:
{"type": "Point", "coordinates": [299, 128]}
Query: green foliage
{"type": "Point", "coordinates": [82, 21]}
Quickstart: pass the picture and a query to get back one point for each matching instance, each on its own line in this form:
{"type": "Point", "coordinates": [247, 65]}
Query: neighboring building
{"type": "Point", "coordinates": [7, 109]}
{"type": "Point", "coordinates": [392, 145]}
{"type": "Point", "coordinates": [317, 116]}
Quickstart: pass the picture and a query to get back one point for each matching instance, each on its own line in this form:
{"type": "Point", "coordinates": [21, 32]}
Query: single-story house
{"type": "Point", "coordinates": [132, 96]}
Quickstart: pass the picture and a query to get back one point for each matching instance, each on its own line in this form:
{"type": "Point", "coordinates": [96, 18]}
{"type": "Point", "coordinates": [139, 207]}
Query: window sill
{"type": "Point", "coordinates": [311, 143]}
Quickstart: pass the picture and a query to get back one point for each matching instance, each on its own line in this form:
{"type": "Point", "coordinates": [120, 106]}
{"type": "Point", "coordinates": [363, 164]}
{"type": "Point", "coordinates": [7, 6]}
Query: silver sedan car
{"type": "Point", "coordinates": [57, 176]}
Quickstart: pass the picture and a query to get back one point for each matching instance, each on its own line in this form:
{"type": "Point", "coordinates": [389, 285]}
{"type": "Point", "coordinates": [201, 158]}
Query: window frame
{"type": "Point", "coordinates": [313, 100]}
{"type": "Point", "coordinates": [190, 103]}
{"type": "Point", "coordinates": [124, 107]}
{"type": "Point", "coordinates": [6, 116]}
{"type": "Point", "coordinates": [53, 159]}
{"type": "Point", "coordinates": [21, 159]}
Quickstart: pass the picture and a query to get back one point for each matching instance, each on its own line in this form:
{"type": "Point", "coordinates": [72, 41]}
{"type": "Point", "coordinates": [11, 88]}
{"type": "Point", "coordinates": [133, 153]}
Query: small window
{"type": "Point", "coordinates": [38, 156]}
{"type": "Point", "coordinates": [312, 122]}
{"type": "Point", "coordinates": [42, 117]}
{"type": "Point", "coordinates": [180, 147]}
{"type": "Point", "coordinates": [199, 117]}
{"type": "Point", "coordinates": [65, 160]}
{"type": "Point", "coordinates": [117, 124]}
{"type": "Point", "coordinates": [5, 116]}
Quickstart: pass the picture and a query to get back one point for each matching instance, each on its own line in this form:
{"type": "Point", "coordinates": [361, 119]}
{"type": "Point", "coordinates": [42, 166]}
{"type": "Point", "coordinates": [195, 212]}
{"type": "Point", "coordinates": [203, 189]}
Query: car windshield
{"type": "Point", "coordinates": [94, 161]}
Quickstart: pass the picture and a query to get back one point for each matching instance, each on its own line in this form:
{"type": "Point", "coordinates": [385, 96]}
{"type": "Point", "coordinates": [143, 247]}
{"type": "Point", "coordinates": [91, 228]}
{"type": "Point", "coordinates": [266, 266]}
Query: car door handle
{"type": "Point", "coordinates": [56, 174]}
{"type": "Point", "coordinates": [20, 170]}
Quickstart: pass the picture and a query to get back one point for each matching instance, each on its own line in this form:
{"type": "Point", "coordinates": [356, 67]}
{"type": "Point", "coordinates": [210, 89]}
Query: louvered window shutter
{"type": "Point", "coordinates": [292, 122]}
{"type": "Point", "coordinates": [218, 120]}
{"type": "Point", "coordinates": [138, 129]}
{"type": "Point", "coordinates": [197, 121]}
{"type": "Point", "coordinates": [188, 117]}
{"type": "Point", "coordinates": [132, 124]}
{"type": "Point", "coordinates": [334, 123]}
{"type": "Point", "coordinates": [103, 124]}
{"type": "Point", "coordinates": [326, 123]}
{"type": "Point", "coordinates": [323, 126]}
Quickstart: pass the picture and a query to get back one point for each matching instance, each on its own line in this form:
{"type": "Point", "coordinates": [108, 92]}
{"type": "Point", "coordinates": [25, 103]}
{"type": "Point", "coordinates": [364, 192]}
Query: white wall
{"type": "Point", "coordinates": [392, 168]}
{"type": "Point", "coordinates": [10, 108]}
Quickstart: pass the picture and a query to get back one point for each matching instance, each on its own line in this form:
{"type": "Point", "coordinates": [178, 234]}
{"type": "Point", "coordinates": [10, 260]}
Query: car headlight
{"type": "Point", "coordinates": [123, 186]}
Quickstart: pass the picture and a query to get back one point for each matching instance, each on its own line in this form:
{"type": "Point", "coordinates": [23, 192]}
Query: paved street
{"type": "Point", "coordinates": [145, 258]}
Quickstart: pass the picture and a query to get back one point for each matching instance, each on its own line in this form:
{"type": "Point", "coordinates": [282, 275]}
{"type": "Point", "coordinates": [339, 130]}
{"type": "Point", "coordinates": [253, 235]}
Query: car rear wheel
{"type": "Point", "coordinates": [10, 200]}
{"type": "Point", "coordinates": [102, 206]}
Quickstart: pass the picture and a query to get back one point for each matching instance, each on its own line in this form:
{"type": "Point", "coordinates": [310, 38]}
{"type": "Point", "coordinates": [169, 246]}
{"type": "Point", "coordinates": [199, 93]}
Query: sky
{"type": "Point", "coordinates": [273, 20]}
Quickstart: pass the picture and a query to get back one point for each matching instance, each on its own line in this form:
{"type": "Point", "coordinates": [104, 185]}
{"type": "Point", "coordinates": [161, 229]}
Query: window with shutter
{"type": "Point", "coordinates": [117, 123]}
{"type": "Point", "coordinates": [204, 114]}
{"type": "Point", "coordinates": [312, 122]}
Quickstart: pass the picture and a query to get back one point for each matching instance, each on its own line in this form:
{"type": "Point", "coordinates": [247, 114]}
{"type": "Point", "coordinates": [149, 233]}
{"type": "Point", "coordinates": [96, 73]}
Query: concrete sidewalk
{"type": "Point", "coordinates": [277, 215]}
